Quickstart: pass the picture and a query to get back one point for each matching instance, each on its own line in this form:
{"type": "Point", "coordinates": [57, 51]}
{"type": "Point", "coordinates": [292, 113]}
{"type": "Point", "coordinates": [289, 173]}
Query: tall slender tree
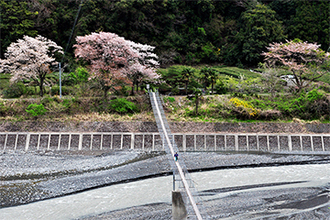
{"type": "Point", "coordinates": [187, 73]}
{"type": "Point", "coordinates": [209, 76]}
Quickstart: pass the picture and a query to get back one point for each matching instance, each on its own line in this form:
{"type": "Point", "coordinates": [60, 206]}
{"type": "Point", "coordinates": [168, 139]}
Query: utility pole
{"type": "Point", "coordinates": [60, 81]}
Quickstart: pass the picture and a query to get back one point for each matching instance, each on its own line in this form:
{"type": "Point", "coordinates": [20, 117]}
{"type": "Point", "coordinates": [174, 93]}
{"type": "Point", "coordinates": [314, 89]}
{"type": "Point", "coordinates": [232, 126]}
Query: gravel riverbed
{"type": "Point", "coordinates": [31, 176]}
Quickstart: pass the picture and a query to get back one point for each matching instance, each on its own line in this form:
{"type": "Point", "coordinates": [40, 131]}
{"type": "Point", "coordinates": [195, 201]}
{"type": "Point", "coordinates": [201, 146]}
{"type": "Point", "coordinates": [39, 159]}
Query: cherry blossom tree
{"type": "Point", "coordinates": [30, 59]}
{"type": "Point", "coordinates": [144, 69]}
{"type": "Point", "coordinates": [305, 60]}
{"type": "Point", "coordinates": [108, 56]}
{"type": "Point", "coordinates": [112, 58]}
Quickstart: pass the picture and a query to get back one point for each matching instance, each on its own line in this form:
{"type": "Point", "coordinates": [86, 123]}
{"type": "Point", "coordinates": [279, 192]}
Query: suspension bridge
{"type": "Point", "coordinates": [193, 202]}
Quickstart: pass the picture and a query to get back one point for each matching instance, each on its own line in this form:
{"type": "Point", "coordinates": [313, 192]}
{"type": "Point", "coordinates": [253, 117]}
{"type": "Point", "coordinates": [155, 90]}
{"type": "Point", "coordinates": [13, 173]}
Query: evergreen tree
{"type": "Point", "coordinates": [15, 21]}
{"type": "Point", "coordinates": [258, 28]}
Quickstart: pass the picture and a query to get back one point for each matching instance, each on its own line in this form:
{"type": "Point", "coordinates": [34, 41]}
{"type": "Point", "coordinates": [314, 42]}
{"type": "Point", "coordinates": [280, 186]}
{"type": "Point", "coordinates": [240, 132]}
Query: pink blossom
{"type": "Point", "coordinates": [111, 57]}
{"type": "Point", "coordinates": [302, 58]}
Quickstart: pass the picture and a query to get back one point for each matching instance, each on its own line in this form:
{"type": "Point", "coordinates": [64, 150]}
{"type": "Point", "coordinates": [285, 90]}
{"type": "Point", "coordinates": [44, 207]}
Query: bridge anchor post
{"type": "Point", "coordinates": [179, 211]}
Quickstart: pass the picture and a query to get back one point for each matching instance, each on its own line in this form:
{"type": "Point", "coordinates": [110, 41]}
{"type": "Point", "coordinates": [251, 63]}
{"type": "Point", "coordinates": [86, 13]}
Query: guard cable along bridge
{"type": "Point", "coordinates": [194, 204]}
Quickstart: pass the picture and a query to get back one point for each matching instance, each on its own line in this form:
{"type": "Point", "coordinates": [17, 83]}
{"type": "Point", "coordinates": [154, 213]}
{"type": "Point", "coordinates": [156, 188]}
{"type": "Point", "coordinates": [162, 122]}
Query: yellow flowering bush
{"type": "Point", "coordinates": [244, 108]}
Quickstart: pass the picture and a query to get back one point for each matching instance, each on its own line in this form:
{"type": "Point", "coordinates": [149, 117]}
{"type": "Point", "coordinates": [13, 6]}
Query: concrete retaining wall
{"type": "Point", "coordinates": [152, 141]}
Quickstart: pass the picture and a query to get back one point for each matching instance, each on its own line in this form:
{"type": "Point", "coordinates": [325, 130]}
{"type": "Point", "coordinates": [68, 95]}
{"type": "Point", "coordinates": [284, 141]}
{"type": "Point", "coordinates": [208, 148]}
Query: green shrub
{"type": "Point", "coordinates": [68, 102]}
{"type": "Point", "coordinates": [325, 87]}
{"type": "Point", "coordinates": [69, 79]}
{"type": "Point", "coordinates": [14, 90]}
{"type": "Point", "coordinates": [36, 110]}
{"type": "Point", "coordinates": [220, 87]}
{"type": "Point", "coordinates": [175, 91]}
{"type": "Point", "coordinates": [308, 106]}
{"type": "Point", "coordinates": [32, 90]}
{"type": "Point", "coordinates": [4, 109]}
{"type": "Point", "coordinates": [238, 95]}
{"type": "Point", "coordinates": [46, 100]}
{"type": "Point", "coordinates": [4, 81]}
{"type": "Point", "coordinates": [169, 99]}
{"type": "Point", "coordinates": [82, 74]}
{"type": "Point", "coordinates": [314, 95]}
{"type": "Point", "coordinates": [122, 106]}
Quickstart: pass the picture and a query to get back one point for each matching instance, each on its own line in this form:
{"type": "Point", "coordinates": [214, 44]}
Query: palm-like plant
{"type": "Point", "coordinates": [186, 73]}
{"type": "Point", "coordinates": [209, 76]}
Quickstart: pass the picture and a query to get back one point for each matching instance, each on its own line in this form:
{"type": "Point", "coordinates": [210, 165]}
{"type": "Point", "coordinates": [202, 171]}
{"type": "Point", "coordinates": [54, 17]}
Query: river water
{"type": "Point", "coordinates": [158, 190]}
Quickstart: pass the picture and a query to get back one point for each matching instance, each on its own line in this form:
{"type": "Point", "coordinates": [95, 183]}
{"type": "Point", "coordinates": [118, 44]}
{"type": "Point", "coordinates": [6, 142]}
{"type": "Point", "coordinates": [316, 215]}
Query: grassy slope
{"type": "Point", "coordinates": [181, 105]}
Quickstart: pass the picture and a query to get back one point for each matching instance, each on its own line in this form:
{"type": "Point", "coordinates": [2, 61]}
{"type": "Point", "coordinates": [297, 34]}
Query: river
{"type": "Point", "coordinates": [158, 190]}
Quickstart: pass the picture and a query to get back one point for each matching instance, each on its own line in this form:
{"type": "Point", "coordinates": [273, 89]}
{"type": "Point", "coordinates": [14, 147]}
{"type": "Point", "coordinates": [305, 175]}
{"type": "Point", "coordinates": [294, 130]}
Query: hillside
{"type": "Point", "coordinates": [233, 32]}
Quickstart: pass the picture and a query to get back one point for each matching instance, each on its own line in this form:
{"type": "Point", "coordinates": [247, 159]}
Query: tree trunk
{"type": "Point", "coordinates": [133, 84]}
{"type": "Point", "coordinates": [197, 102]}
{"type": "Point", "coordinates": [186, 87]}
{"type": "Point", "coordinates": [106, 90]}
{"type": "Point", "coordinates": [41, 86]}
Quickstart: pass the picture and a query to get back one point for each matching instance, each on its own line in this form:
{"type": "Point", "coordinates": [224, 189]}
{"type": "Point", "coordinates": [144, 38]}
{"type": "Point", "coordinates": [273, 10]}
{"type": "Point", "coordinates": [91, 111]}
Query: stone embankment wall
{"type": "Point", "coordinates": [176, 127]}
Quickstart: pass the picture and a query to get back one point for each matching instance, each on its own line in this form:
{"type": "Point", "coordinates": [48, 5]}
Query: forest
{"type": "Point", "coordinates": [214, 60]}
{"type": "Point", "coordinates": [231, 32]}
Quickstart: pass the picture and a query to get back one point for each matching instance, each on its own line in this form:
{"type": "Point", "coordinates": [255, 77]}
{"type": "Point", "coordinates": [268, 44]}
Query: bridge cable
{"type": "Point", "coordinates": [73, 27]}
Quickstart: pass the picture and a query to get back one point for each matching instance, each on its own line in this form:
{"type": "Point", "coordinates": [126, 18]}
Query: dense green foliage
{"type": "Point", "coordinates": [16, 20]}
{"type": "Point", "coordinates": [184, 32]}
{"type": "Point", "coordinates": [210, 80]}
{"type": "Point", "coordinates": [122, 106]}
{"type": "Point", "coordinates": [15, 90]}
{"type": "Point", "coordinates": [257, 27]}
{"type": "Point", "coordinates": [36, 110]}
